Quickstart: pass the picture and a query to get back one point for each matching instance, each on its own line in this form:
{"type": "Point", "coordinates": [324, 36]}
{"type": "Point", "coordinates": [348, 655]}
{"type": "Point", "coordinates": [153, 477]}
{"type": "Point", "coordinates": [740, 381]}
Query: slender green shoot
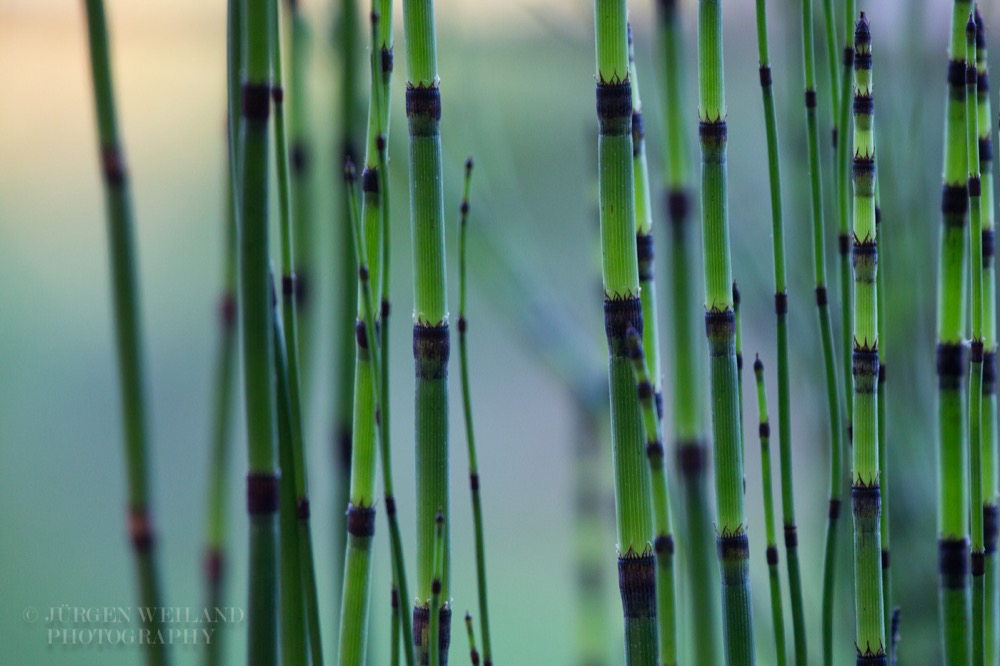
{"type": "Point", "coordinates": [436, 604]}
{"type": "Point", "coordinates": [777, 613]}
{"type": "Point", "coordinates": [883, 443]}
{"type": "Point", "coordinates": [843, 180]}
{"type": "Point", "coordinates": [473, 653]}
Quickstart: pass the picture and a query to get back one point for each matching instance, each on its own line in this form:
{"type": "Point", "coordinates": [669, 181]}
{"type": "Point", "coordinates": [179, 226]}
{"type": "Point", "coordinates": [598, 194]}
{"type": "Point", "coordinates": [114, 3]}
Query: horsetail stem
{"type": "Point", "coordinates": [436, 604]}
{"type": "Point", "coordinates": [622, 309]}
{"type": "Point", "coordinates": [290, 296]}
{"type": "Point", "coordinates": [257, 334]}
{"type": "Point", "coordinates": [125, 292]}
{"type": "Point", "coordinates": [830, 32]}
{"type": "Point", "coordinates": [738, 343]}
{"type": "Point", "coordinates": [473, 653]}
{"type": "Point", "coordinates": [777, 614]}
{"type": "Point", "coordinates": [470, 435]}
{"type": "Point", "coordinates": [689, 438]}
{"type": "Point", "coordinates": [395, 631]}
{"type": "Point", "coordinates": [989, 407]}
{"type": "Point", "coordinates": [733, 543]}
{"type": "Point", "coordinates": [663, 543]}
{"type": "Point", "coordinates": [865, 495]}
{"type": "Point", "coordinates": [953, 507]}
{"type": "Point", "coordinates": [976, 364]}
{"type": "Point", "coordinates": [843, 181]}
{"type": "Point", "coordinates": [883, 452]}
{"type": "Point", "coordinates": [646, 255]}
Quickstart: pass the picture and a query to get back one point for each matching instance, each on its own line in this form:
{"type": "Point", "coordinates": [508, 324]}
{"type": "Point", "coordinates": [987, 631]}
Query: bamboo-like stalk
{"type": "Point", "coordinates": [976, 365]}
{"type": "Point", "coordinates": [777, 613]}
{"type": "Point", "coordinates": [733, 542]}
{"type": "Point", "coordinates": [473, 652]}
{"type": "Point", "coordinates": [688, 434]}
{"type": "Point", "coordinates": [953, 507]}
{"type": "Point", "coordinates": [431, 338]}
{"type": "Point", "coordinates": [830, 32]}
{"type": "Point", "coordinates": [865, 494]}
{"type": "Point", "coordinates": [738, 345]}
{"type": "Point", "coordinates": [883, 442]}
{"type": "Point", "coordinates": [989, 407]}
{"type": "Point", "coordinates": [663, 544]}
{"type": "Point", "coordinates": [257, 335]}
{"type": "Point", "coordinates": [436, 604]}
{"type": "Point", "coordinates": [470, 435]}
{"type": "Point", "coordinates": [622, 309]}
{"type": "Point", "coordinates": [125, 293]}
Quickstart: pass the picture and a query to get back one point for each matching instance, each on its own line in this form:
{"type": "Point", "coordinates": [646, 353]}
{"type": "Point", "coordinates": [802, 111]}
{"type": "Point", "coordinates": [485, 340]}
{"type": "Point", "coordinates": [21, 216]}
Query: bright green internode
{"type": "Point", "coordinates": [611, 20]}
{"type": "Point", "coordinates": [471, 633]}
{"type": "Point", "coordinates": [843, 180]}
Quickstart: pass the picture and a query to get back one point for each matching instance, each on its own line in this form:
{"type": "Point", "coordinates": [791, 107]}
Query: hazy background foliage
{"type": "Point", "coordinates": [517, 82]}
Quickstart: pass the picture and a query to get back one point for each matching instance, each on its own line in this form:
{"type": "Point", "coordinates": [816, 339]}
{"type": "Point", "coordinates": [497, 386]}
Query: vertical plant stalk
{"type": "Point", "coordinates": [663, 544]}
{"type": "Point", "coordinates": [473, 652]}
{"type": "Point", "coordinates": [431, 339]}
{"type": "Point", "coordinates": [623, 309]}
{"type": "Point", "coordinates": [689, 438]}
{"type": "Point", "coordinates": [953, 507]}
{"type": "Point", "coordinates": [883, 451]}
{"type": "Point", "coordinates": [257, 335]}
{"type": "Point", "coordinates": [733, 542]}
{"type": "Point", "coordinates": [865, 494]}
{"type": "Point", "coordinates": [843, 181]}
{"type": "Point", "coordinates": [989, 407]}
{"type": "Point", "coordinates": [976, 364]}
{"type": "Point", "coordinates": [470, 435]}
{"type": "Point", "coordinates": [739, 367]}
{"type": "Point", "coordinates": [777, 613]}
{"type": "Point", "coordinates": [830, 32]}
{"type": "Point", "coordinates": [436, 605]}
{"type": "Point", "coordinates": [125, 294]}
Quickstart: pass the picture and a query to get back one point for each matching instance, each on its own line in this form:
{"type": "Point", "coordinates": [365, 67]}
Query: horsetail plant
{"type": "Point", "coordinates": [125, 292]}
{"type": "Point", "coordinates": [689, 438]}
{"type": "Point", "coordinates": [437, 645]}
{"type": "Point", "coordinates": [777, 613]}
{"type": "Point", "coordinates": [989, 406]}
{"type": "Point", "coordinates": [883, 450]}
{"type": "Point", "coordinates": [865, 496]}
{"type": "Point", "coordinates": [953, 507]}
{"type": "Point", "coordinates": [976, 364]}
{"type": "Point", "coordinates": [663, 544]}
{"type": "Point", "coordinates": [733, 542]}
{"type": "Point", "coordinates": [430, 329]}
{"type": "Point", "coordinates": [473, 652]}
{"type": "Point", "coordinates": [470, 435]}
{"type": "Point", "coordinates": [623, 309]}
{"type": "Point", "coordinates": [257, 334]}
{"type": "Point", "coordinates": [843, 181]}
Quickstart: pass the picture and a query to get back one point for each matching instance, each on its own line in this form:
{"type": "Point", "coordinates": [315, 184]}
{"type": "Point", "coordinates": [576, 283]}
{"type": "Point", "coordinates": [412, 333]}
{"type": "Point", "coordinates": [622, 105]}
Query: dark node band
{"type": "Point", "coordinates": [864, 105]}
{"type": "Point", "coordinates": [436, 586]}
{"type": "Point", "coordinates": [385, 307]}
{"type": "Point", "coordinates": [390, 505]}
{"type": "Point", "coordinates": [369, 181]}
{"type": "Point", "coordinates": [474, 482]}
{"type": "Point", "coordinates": [772, 556]}
{"type": "Point", "coordinates": [227, 310]}
{"type": "Point", "coordinates": [712, 131]}
{"type": "Point", "coordinates": [990, 372]}
{"type": "Point", "coordinates": [733, 547]}
{"type": "Point", "coordinates": [953, 563]}
{"type": "Point", "coordinates": [638, 131]}
{"type": "Point", "coordinates": [878, 215]}
{"type": "Point", "coordinates": [950, 365]}
{"type": "Point", "coordinates": [865, 252]}
{"type": "Point", "coordinates": [833, 510]}
{"type": "Point", "coordinates": [421, 626]}
{"type": "Point", "coordinates": [463, 325]}
{"type": "Point", "coordinates": [864, 368]}
{"type": "Point", "coordinates": [736, 295]}
{"type": "Point", "coordinates": [985, 144]}
{"type": "Point", "coordinates": [302, 509]}
{"type": "Point", "coordinates": [765, 76]}
{"type": "Point", "coordinates": [360, 521]}
{"type": "Point", "coordinates": [113, 166]}
{"type": "Point", "coordinates": [862, 61]}
{"type": "Point", "coordinates": [659, 405]}
{"type": "Point", "coordinates": [971, 74]}
{"type": "Point", "coordinates": [781, 303]}
{"type": "Point", "coordinates": [691, 458]}
{"type": "Point", "coordinates": [955, 200]}
{"type": "Point", "coordinates": [739, 361]}
{"type": "Point", "coordinates": [140, 529]}
{"type": "Point", "coordinates": [645, 391]}
{"type": "Point", "coordinates": [277, 94]}
{"type": "Point", "coordinates": [881, 372]}
{"type": "Point", "coordinates": [791, 537]}
{"type": "Point", "coordinates": [677, 205]}
{"type": "Point", "coordinates": [645, 253]}
{"type": "Point", "coordinates": [978, 562]}
{"type": "Point", "coordinates": [289, 285]}
{"type": "Point", "coordinates": [637, 583]}
{"type": "Point", "coordinates": [885, 558]}
{"type": "Point", "coordinates": [664, 545]}
{"type": "Point", "coordinates": [956, 73]}
{"type": "Point", "coordinates": [431, 350]}
{"type": "Point", "coordinates": [386, 60]}
{"type": "Point", "coordinates": [361, 334]}
{"type": "Point", "coordinates": [866, 501]}
{"type": "Point", "coordinates": [654, 450]}
{"type": "Point", "coordinates": [464, 210]}
{"type": "Point", "coordinates": [844, 243]}
{"type": "Point", "coordinates": [983, 84]}
{"type": "Point", "coordinates": [989, 245]}
{"type": "Point", "coordinates": [976, 351]}
{"type": "Point", "coordinates": [863, 167]}
{"type": "Point", "coordinates": [423, 102]}
{"type": "Point", "coordinates": [862, 32]}
{"type": "Point", "coordinates": [991, 528]}
{"type": "Point", "coordinates": [869, 658]}
{"type": "Point", "coordinates": [214, 563]}
{"type": "Point", "coordinates": [810, 99]}
{"type": "Point", "coordinates": [299, 158]}
{"type": "Point", "coordinates": [614, 107]}
{"type": "Point", "coordinates": [821, 297]}
{"type": "Point", "coordinates": [256, 101]}
{"type": "Point", "coordinates": [848, 56]}
{"type": "Point", "coordinates": [720, 326]}
{"type": "Point", "coordinates": [621, 314]}
{"type": "Point", "coordinates": [262, 493]}
{"type": "Point", "coordinates": [975, 186]}
{"type": "Point", "coordinates": [764, 430]}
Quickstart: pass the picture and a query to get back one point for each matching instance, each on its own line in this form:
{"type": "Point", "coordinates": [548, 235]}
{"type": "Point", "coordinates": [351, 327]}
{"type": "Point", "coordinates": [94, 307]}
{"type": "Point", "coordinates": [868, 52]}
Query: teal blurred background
{"type": "Point", "coordinates": [517, 88]}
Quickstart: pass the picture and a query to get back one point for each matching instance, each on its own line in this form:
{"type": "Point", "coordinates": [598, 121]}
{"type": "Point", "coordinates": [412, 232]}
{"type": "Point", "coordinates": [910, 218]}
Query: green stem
{"type": "Point", "coordinates": [436, 604]}
{"type": "Point", "coordinates": [777, 614]}
{"type": "Point", "coordinates": [733, 542]}
{"type": "Point", "coordinates": [883, 452]}
{"type": "Point", "coordinates": [125, 293]}
{"type": "Point", "coordinates": [473, 653]}
{"type": "Point", "coordinates": [843, 181]}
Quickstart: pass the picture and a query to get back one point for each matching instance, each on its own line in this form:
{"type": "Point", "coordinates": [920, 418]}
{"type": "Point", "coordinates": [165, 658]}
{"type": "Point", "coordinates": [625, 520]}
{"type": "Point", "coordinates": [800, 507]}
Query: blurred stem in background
{"type": "Point", "coordinates": [777, 613]}
{"type": "Point", "coordinates": [843, 181]}
{"type": "Point", "coordinates": [989, 408]}
{"type": "Point", "coordinates": [125, 295]}
{"type": "Point", "coordinates": [953, 507]}
{"type": "Point", "coordinates": [731, 525]}
{"type": "Point", "coordinates": [623, 310]}
{"type": "Point", "coordinates": [689, 438]}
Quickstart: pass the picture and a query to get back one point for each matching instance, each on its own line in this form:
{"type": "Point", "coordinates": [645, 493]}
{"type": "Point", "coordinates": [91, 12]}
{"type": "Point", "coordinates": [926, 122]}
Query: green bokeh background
{"type": "Point", "coordinates": [517, 88]}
